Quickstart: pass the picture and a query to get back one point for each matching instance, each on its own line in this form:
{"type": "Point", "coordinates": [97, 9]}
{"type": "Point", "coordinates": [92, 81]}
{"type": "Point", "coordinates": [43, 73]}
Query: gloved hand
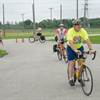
{"type": "Point", "coordinates": [91, 51]}
{"type": "Point", "coordinates": [78, 51]}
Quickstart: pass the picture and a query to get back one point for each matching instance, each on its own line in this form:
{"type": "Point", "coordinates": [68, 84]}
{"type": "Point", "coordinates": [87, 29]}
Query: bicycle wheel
{"type": "Point", "coordinates": [65, 56]}
{"type": "Point", "coordinates": [87, 78]}
{"type": "Point", "coordinates": [59, 54]}
{"type": "Point", "coordinates": [42, 39]}
{"type": "Point", "coordinates": [74, 73]}
{"type": "Point", "coordinates": [31, 39]}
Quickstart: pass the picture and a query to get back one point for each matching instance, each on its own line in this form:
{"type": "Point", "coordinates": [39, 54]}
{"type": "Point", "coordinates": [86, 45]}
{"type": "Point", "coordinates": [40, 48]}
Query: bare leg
{"type": "Point", "coordinates": [71, 65]}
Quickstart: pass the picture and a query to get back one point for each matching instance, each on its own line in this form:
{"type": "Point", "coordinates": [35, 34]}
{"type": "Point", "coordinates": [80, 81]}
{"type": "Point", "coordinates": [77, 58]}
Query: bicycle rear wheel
{"type": "Point", "coordinates": [65, 58]}
{"type": "Point", "coordinates": [59, 54]}
{"type": "Point", "coordinates": [31, 39]}
{"type": "Point", "coordinates": [42, 39]}
{"type": "Point", "coordinates": [87, 79]}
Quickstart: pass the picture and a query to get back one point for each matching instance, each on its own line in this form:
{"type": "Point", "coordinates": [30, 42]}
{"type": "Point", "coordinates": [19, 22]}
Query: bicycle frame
{"type": "Point", "coordinates": [83, 63]}
{"type": "Point", "coordinates": [62, 50]}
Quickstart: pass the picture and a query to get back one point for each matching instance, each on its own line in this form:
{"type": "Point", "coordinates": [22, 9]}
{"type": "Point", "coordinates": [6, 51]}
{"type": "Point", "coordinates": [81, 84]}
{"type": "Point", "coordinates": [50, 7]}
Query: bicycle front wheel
{"type": "Point", "coordinates": [59, 54]}
{"type": "Point", "coordinates": [87, 80]}
{"type": "Point", "coordinates": [31, 39]}
{"type": "Point", "coordinates": [65, 55]}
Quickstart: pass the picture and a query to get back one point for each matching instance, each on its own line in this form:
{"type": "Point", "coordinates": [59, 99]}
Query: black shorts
{"type": "Point", "coordinates": [39, 34]}
{"type": "Point", "coordinates": [62, 40]}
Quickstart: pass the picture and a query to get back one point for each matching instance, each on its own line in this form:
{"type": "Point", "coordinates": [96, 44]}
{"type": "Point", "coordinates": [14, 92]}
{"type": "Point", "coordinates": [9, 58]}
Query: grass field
{"type": "Point", "coordinates": [93, 39]}
{"type": "Point", "coordinates": [18, 33]}
{"type": "Point", "coordinates": [2, 53]}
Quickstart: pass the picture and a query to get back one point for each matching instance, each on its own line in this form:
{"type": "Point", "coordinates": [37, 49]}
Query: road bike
{"type": "Point", "coordinates": [84, 72]}
{"type": "Point", "coordinates": [32, 39]}
{"type": "Point", "coordinates": [62, 53]}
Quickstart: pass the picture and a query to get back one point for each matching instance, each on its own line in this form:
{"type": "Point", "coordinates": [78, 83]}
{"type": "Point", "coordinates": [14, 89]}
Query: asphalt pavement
{"type": "Point", "coordinates": [32, 71]}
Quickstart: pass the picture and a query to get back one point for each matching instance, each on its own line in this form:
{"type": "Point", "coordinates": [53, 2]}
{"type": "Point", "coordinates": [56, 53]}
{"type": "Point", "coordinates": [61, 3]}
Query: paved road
{"type": "Point", "coordinates": [33, 72]}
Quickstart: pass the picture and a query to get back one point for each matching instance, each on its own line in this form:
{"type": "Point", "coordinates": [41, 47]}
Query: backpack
{"type": "Point", "coordinates": [54, 48]}
{"type": "Point", "coordinates": [42, 37]}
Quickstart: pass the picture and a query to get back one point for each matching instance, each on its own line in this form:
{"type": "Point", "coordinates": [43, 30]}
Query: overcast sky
{"type": "Point", "coordinates": [14, 9]}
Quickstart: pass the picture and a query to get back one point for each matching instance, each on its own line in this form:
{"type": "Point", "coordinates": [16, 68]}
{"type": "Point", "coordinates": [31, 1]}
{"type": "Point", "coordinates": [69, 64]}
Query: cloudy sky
{"type": "Point", "coordinates": [14, 9]}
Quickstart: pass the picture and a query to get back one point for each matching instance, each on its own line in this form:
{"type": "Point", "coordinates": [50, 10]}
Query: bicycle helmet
{"type": "Point", "coordinates": [77, 22]}
{"type": "Point", "coordinates": [61, 25]}
{"type": "Point", "coordinates": [38, 26]}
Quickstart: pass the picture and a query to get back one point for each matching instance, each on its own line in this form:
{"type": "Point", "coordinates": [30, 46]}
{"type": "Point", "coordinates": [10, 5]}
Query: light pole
{"type": "Point", "coordinates": [23, 20]}
{"type": "Point", "coordinates": [33, 17]}
{"type": "Point", "coordinates": [60, 13]}
{"type": "Point", "coordinates": [51, 17]}
{"type": "Point", "coordinates": [3, 21]}
{"type": "Point", "coordinates": [77, 8]}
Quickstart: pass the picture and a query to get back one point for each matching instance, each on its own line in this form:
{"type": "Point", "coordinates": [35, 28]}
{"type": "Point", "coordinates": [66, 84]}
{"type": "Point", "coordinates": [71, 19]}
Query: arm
{"type": "Point", "coordinates": [58, 37]}
{"type": "Point", "coordinates": [88, 43]}
{"type": "Point", "coordinates": [72, 45]}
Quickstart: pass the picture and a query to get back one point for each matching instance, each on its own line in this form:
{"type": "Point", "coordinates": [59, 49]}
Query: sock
{"type": "Point", "coordinates": [71, 79]}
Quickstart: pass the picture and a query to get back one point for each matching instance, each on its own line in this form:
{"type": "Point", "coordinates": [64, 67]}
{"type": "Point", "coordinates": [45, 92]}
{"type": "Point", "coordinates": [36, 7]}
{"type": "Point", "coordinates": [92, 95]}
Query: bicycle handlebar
{"type": "Point", "coordinates": [84, 53]}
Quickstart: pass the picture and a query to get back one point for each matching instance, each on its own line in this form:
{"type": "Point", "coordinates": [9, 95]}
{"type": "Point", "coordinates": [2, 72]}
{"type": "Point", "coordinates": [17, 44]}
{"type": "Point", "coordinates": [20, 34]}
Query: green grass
{"type": "Point", "coordinates": [93, 39]}
{"type": "Point", "coordinates": [3, 52]}
{"type": "Point", "coordinates": [13, 34]}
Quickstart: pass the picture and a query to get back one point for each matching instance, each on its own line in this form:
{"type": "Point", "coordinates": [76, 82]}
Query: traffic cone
{"type": "Point", "coordinates": [22, 39]}
{"type": "Point", "coordinates": [16, 40]}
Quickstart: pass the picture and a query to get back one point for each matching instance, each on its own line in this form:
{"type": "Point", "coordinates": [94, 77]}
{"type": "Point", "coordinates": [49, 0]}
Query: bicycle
{"type": "Point", "coordinates": [32, 39]}
{"type": "Point", "coordinates": [85, 72]}
{"type": "Point", "coordinates": [61, 52]}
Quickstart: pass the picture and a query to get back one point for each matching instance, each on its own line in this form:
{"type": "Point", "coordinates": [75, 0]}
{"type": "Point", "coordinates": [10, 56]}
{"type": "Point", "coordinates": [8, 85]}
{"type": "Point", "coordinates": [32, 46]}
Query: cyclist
{"type": "Point", "coordinates": [1, 32]}
{"type": "Point", "coordinates": [60, 35]}
{"type": "Point", "coordinates": [39, 30]}
{"type": "Point", "coordinates": [75, 38]}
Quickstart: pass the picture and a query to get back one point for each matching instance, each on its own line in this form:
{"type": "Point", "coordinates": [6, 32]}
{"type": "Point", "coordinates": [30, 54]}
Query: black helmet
{"type": "Point", "coordinates": [77, 22]}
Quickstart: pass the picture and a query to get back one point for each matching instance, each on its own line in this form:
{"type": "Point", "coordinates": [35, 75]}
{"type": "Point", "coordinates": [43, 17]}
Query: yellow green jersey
{"type": "Point", "coordinates": [77, 37]}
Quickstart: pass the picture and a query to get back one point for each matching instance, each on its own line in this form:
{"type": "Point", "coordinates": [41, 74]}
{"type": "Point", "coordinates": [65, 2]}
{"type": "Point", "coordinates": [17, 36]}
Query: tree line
{"type": "Point", "coordinates": [28, 24]}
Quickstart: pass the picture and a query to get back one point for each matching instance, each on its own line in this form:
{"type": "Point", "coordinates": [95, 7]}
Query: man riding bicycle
{"type": "Point", "coordinates": [59, 37]}
{"type": "Point", "coordinates": [39, 30]}
{"type": "Point", "coordinates": [75, 38]}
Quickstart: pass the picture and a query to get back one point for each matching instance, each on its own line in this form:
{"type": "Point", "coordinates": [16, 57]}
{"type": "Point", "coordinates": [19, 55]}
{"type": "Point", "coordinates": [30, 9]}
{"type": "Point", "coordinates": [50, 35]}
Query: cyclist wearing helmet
{"type": "Point", "coordinates": [39, 30]}
{"type": "Point", "coordinates": [75, 37]}
{"type": "Point", "coordinates": [60, 35]}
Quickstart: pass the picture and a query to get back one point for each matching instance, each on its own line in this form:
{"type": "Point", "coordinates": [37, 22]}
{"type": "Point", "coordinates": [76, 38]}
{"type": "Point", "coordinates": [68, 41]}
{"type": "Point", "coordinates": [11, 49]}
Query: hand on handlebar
{"type": "Point", "coordinates": [78, 51]}
{"type": "Point", "coordinates": [91, 51]}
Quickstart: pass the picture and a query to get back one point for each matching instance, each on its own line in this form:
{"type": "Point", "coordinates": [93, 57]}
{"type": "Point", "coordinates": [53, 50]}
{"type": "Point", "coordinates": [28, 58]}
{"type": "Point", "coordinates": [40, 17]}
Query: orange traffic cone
{"type": "Point", "coordinates": [22, 39]}
{"type": "Point", "coordinates": [16, 40]}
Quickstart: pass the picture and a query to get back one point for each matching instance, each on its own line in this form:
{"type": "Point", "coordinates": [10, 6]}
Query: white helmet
{"type": "Point", "coordinates": [61, 25]}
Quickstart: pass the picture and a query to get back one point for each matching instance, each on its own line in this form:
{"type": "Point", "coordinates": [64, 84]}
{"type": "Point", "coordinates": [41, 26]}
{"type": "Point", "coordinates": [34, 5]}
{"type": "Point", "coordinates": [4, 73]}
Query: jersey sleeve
{"type": "Point", "coordinates": [69, 36]}
{"type": "Point", "coordinates": [85, 35]}
{"type": "Point", "coordinates": [57, 32]}
{"type": "Point", "coordinates": [65, 31]}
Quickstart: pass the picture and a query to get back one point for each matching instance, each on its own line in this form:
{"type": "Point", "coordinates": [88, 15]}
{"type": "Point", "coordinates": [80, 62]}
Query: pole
{"type": "Point", "coordinates": [77, 9]}
{"type": "Point", "coordinates": [3, 21]}
{"type": "Point", "coordinates": [23, 20]}
{"type": "Point", "coordinates": [51, 17]}
{"type": "Point", "coordinates": [33, 18]}
{"type": "Point", "coordinates": [60, 13]}
{"type": "Point", "coordinates": [84, 15]}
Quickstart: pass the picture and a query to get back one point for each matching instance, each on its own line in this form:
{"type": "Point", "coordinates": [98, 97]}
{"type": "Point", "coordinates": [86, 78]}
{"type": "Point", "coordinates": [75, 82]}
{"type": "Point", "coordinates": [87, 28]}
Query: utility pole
{"type": "Point", "coordinates": [33, 18]}
{"type": "Point", "coordinates": [86, 13]}
{"type": "Point", "coordinates": [23, 20]}
{"type": "Point", "coordinates": [77, 8]}
{"type": "Point", "coordinates": [60, 13]}
{"type": "Point", "coordinates": [3, 21]}
{"type": "Point", "coordinates": [51, 17]}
